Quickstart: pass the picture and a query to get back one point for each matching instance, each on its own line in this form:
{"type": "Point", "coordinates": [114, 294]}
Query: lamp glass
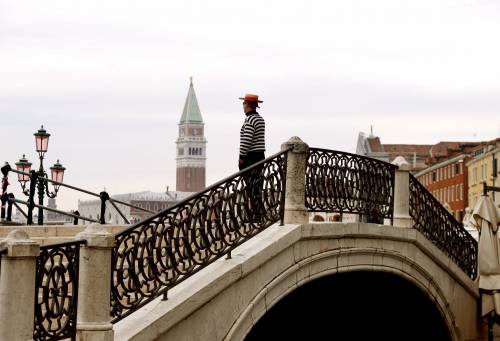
{"type": "Point", "coordinates": [57, 172]}
{"type": "Point", "coordinates": [42, 143]}
{"type": "Point", "coordinates": [23, 166]}
{"type": "Point", "coordinates": [42, 140]}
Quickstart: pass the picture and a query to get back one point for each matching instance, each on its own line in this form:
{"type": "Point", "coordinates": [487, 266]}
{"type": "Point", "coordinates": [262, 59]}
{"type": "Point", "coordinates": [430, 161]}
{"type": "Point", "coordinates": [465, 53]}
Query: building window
{"type": "Point", "coordinates": [181, 151]}
{"type": "Point", "coordinates": [434, 176]}
{"type": "Point", "coordinates": [457, 169]}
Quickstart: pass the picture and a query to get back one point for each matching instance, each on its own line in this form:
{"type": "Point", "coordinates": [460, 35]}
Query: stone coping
{"type": "Point", "coordinates": [51, 234]}
{"type": "Point", "coordinates": [159, 316]}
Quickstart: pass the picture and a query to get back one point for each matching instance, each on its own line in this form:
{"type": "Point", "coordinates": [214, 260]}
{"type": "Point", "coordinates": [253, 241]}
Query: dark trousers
{"type": "Point", "coordinates": [251, 158]}
{"type": "Point", "coordinates": [253, 183]}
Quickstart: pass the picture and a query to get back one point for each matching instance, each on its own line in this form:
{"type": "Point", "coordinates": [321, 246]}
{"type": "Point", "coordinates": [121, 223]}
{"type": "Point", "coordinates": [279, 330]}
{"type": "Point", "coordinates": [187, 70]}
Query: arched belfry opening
{"type": "Point", "coordinates": [359, 305]}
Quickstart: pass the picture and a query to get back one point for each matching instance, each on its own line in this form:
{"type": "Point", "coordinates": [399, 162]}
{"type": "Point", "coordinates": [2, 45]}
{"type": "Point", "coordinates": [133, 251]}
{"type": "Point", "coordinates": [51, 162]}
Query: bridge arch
{"type": "Point", "coordinates": [337, 262]}
{"type": "Point", "coordinates": [226, 301]}
{"type": "Point", "coordinates": [353, 305]}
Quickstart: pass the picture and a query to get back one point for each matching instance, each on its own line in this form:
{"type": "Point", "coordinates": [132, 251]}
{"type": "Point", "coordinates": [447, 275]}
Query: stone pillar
{"type": "Point", "coordinates": [295, 209]}
{"type": "Point", "coordinates": [94, 320]}
{"type": "Point", "coordinates": [17, 286]}
{"type": "Point", "coordinates": [401, 216]}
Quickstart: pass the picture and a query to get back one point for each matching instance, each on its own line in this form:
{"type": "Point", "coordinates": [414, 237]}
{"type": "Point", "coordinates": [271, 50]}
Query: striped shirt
{"type": "Point", "coordinates": [252, 134]}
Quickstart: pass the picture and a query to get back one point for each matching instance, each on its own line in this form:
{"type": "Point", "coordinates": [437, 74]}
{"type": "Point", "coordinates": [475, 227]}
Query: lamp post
{"type": "Point", "coordinates": [37, 182]}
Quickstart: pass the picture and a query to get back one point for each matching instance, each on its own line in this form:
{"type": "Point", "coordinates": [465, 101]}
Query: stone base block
{"type": "Point", "coordinates": [100, 332]}
{"type": "Point", "coordinates": [405, 222]}
{"type": "Point", "coordinates": [299, 216]}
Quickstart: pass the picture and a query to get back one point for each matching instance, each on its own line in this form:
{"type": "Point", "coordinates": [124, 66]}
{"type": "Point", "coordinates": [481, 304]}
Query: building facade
{"type": "Point", "coordinates": [483, 169]}
{"type": "Point", "coordinates": [448, 182]}
{"type": "Point", "coordinates": [419, 156]}
{"type": "Point", "coordinates": [191, 147]}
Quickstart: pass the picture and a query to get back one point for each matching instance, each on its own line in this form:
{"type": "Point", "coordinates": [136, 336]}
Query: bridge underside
{"type": "Point", "coordinates": [358, 305]}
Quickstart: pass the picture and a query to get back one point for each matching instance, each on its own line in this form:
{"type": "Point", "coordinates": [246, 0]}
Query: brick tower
{"type": "Point", "coordinates": [191, 146]}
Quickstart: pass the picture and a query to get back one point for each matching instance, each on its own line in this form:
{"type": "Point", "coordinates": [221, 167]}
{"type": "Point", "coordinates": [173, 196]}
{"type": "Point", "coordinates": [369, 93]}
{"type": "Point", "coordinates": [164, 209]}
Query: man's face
{"type": "Point", "coordinates": [246, 107]}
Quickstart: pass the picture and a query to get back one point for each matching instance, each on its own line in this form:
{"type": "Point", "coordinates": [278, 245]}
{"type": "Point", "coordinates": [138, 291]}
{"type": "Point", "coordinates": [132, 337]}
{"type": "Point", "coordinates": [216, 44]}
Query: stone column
{"type": "Point", "coordinates": [401, 216]}
{"type": "Point", "coordinates": [94, 320]}
{"type": "Point", "coordinates": [295, 209]}
{"type": "Point", "coordinates": [17, 286]}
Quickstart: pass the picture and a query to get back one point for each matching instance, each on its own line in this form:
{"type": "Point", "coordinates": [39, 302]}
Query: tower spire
{"type": "Point", "coordinates": [191, 146]}
{"type": "Point", "coordinates": [191, 112]}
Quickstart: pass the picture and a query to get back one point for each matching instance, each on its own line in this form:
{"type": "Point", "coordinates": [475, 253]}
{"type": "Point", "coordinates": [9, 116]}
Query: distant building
{"type": "Point", "coordinates": [53, 217]}
{"type": "Point", "coordinates": [483, 168]}
{"type": "Point", "coordinates": [447, 181]}
{"type": "Point", "coordinates": [191, 147]}
{"type": "Point", "coordinates": [419, 156]}
{"type": "Point", "coordinates": [152, 201]}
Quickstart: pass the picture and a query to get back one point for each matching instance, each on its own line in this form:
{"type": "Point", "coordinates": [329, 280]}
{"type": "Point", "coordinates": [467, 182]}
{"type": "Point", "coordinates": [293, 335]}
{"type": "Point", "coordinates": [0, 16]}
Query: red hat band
{"type": "Point", "coordinates": [251, 98]}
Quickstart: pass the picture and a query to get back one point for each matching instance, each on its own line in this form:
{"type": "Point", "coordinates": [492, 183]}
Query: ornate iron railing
{"type": "Point", "coordinates": [442, 229]}
{"type": "Point", "coordinates": [158, 253]}
{"type": "Point", "coordinates": [56, 291]}
{"type": "Point", "coordinates": [349, 183]}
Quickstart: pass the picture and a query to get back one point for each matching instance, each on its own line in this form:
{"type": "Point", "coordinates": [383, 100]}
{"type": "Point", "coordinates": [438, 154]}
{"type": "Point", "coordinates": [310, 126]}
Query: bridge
{"type": "Point", "coordinates": [240, 260]}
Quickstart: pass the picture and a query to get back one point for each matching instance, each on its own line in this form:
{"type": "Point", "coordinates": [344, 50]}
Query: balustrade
{"type": "Point", "coordinates": [152, 256]}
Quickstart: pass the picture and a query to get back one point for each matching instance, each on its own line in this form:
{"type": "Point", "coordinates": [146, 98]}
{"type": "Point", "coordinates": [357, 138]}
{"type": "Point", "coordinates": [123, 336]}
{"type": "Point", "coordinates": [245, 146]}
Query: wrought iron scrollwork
{"type": "Point", "coordinates": [442, 229]}
{"type": "Point", "coordinates": [56, 291]}
{"type": "Point", "coordinates": [158, 253]}
{"type": "Point", "coordinates": [348, 183]}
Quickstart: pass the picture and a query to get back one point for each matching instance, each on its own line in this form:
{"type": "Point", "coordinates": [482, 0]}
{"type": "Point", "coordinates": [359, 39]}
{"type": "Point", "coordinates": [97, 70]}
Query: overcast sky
{"type": "Point", "coordinates": [108, 79]}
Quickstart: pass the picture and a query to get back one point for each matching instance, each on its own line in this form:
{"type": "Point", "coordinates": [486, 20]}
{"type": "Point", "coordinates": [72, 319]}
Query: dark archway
{"type": "Point", "coordinates": [353, 306]}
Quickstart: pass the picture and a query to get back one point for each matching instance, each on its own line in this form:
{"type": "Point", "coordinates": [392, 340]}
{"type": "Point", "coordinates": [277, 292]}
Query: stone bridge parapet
{"type": "Point", "coordinates": [225, 300]}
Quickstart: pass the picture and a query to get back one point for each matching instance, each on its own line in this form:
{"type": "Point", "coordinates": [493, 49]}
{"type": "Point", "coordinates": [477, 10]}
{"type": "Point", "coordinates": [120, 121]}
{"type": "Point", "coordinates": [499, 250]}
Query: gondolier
{"type": "Point", "coordinates": [252, 133]}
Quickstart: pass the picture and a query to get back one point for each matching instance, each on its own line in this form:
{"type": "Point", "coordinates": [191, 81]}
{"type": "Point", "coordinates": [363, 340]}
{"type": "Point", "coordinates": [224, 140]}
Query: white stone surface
{"type": "Point", "coordinates": [401, 217]}
{"type": "Point", "coordinates": [94, 285]}
{"type": "Point", "coordinates": [223, 301]}
{"type": "Point", "coordinates": [295, 210]}
{"type": "Point", "coordinates": [17, 286]}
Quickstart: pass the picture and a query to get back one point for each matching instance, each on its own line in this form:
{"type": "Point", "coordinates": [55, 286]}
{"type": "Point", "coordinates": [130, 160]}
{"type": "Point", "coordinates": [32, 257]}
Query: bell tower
{"type": "Point", "coordinates": [191, 146]}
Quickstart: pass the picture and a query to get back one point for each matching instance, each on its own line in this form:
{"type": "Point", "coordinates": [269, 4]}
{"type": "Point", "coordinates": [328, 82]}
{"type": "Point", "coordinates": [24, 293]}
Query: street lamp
{"type": "Point", "coordinates": [57, 172]}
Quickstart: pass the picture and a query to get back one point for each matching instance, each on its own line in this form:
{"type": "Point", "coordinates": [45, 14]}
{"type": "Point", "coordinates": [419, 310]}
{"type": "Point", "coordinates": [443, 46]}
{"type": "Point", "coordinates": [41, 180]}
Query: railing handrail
{"type": "Point", "coordinates": [207, 189]}
{"type": "Point", "coordinates": [49, 261]}
{"type": "Point", "coordinates": [438, 204]}
{"type": "Point", "coordinates": [385, 163]}
{"type": "Point", "coordinates": [104, 196]}
{"type": "Point", "coordinates": [467, 267]}
{"type": "Point", "coordinates": [14, 200]}
{"type": "Point", "coordinates": [319, 198]}
{"type": "Point", "coordinates": [213, 226]}
{"type": "Point", "coordinates": [72, 242]}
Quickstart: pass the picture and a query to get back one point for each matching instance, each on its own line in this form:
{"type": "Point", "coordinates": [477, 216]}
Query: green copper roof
{"type": "Point", "coordinates": [191, 112]}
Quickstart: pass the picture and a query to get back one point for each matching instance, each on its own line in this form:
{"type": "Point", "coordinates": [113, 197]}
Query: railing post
{"type": "Point", "coordinates": [94, 319]}
{"type": "Point", "coordinates": [17, 286]}
{"type": "Point", "coordinates": [104, 197]}
{"type": "Point", "coordinates": [295, 209]}
{"type": "Point", "coordinates": [11, 198]}
{"type": "Point", "coordinates": [401, 217]}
